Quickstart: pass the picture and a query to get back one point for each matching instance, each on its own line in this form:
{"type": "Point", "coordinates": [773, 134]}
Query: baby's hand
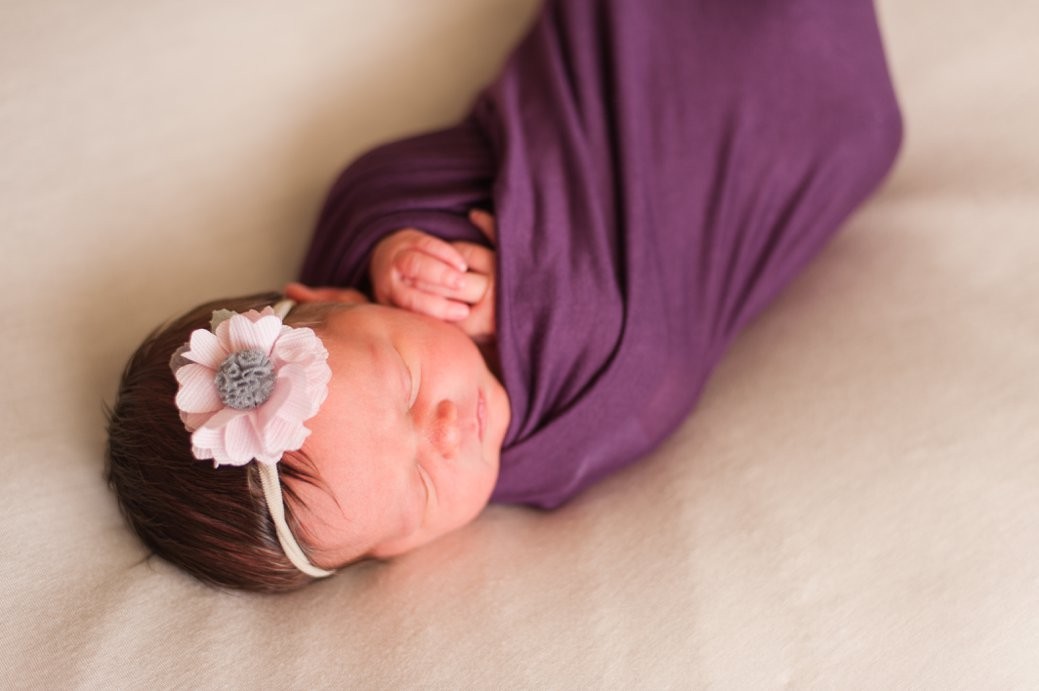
{"type": "Point", "coordinates": [480, 324]}
{"type": "Point", "coordinates": [419, 272]}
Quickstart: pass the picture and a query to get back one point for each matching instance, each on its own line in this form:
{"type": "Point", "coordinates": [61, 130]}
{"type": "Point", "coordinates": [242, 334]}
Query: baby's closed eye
{"type": "Point", "coordinates": [409, 383]}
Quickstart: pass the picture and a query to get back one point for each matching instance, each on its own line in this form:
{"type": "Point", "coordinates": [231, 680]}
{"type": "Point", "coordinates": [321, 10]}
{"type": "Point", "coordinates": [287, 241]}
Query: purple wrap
{"type": "Point", "coordinates": [659, 170]}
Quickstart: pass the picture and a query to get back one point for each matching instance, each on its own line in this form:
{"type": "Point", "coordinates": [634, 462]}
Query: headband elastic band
{"type": "Point", "coordinates": [276, 502]}
{"type": "Point", "coordinates": [276, 505]}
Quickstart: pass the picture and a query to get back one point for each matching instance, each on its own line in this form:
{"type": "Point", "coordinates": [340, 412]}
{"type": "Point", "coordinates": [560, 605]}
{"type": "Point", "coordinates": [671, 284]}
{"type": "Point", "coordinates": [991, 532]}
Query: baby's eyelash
{"type": "Point", "coordinates": [412, 381]}
{"type": "Point", "coordinates": [415, 382]}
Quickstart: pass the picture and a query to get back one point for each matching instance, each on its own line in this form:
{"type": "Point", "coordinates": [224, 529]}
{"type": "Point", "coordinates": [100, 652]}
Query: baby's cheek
{"type": "Point", "coordinates": [487, 477]}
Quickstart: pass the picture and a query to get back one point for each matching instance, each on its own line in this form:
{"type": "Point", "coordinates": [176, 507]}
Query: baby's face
{"type": "Point", "coordinates": [408, 442]}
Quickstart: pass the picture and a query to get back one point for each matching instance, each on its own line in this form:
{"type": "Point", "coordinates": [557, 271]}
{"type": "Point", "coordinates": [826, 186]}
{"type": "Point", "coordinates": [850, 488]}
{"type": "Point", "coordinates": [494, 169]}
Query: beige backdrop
{"type": "Point", "coordinates": [855, 504]}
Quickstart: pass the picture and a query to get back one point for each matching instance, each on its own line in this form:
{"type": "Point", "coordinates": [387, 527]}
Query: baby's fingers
{"type": "Point", "coordinates": [440, 249]}
{"type": "Point", "coordinates": [432, 305]}
{"type": "Point", "coordinates": [438, 276]}
{"type": "Point", "coordinates": [484, 222]}
{"type": "Point", "coordinates": [478, 257]}
{"type": "Point", "coordinates": [471, 290]}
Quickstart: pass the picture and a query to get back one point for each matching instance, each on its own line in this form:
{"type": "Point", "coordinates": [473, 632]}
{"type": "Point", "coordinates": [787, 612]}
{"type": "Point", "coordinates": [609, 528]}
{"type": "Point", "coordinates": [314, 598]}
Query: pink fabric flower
{"type": "Point", "coordinates": [270, 420]}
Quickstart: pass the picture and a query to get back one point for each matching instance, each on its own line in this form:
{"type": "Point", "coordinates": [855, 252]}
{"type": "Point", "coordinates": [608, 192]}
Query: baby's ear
{"type": "Point", "coordinates": [302, 293]}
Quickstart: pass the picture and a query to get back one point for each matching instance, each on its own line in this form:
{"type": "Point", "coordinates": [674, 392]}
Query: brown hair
{"type": "Point", "coordinates": [212, 522]}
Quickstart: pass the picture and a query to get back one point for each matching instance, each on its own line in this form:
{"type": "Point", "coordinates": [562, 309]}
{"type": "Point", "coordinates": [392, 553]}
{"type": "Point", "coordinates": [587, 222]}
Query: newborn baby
{"type": "Point", "coordinates": [413, 391]}
{"type": "Point", "coordinates": [651, 174]}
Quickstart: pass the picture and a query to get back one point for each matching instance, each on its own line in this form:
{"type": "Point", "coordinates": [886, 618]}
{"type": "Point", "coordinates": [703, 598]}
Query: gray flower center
{"type": "Point", "coordinates": [245, 379]}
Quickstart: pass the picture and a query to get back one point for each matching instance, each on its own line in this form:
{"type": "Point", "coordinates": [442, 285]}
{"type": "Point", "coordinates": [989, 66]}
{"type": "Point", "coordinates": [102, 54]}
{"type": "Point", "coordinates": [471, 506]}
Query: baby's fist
{"type": "Point", "coordinates": [422, 273]}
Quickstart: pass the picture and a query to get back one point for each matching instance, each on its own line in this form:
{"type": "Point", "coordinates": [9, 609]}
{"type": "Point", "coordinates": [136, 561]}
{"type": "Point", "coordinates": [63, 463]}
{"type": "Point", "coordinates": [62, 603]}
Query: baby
{"type": "Point", "coordinates": [554, 278]}
{"type": "Point", "coordinates": [409, 387]}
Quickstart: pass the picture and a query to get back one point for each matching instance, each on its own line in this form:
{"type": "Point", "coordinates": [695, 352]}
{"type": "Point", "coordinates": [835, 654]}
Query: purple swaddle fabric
{"type": "Point", "coordinates": [659, 170]}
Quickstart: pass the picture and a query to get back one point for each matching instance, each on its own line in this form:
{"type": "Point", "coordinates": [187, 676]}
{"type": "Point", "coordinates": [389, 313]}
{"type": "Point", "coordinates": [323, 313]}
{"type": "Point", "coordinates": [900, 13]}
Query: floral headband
{"type": "Point", "coordinates": [247, 385]}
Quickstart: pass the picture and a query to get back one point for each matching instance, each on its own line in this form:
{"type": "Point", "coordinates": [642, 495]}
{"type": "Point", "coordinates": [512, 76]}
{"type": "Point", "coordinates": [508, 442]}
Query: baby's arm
{"type": "Point", "coordinates": [452, 281]}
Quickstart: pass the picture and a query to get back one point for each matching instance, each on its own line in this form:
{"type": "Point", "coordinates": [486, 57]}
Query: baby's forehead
{"type": "Point", "coordinates": [368, 373]}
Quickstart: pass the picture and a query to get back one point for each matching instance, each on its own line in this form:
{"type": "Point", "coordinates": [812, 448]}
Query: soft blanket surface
{"type": "Point", "coordinates": [854, 503]}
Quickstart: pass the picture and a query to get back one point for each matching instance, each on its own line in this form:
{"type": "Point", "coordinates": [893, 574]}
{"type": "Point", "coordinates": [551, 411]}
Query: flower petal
{"type": "Point", "coordinates": [241, 442]}
{"type": "Point", "coordinates": [294, 402]}
{"type": "Point", "coordinates": [280, 436]}
{"type": "Point", "coordinates": [298, 345]}
{"type": "Point", "coordinates": [206, 349]}
{"type": "Point", "coordinates": [203, 454]}
{"type": "Point", "coordinates": [310, 353]}
{"type": "Point", "coordinates": [244, 334]}
{"type": "Point", "coordinates": [192, 421]}
{"type": "Point", "coordinates": [318, 376]}
{"type": "Point", "coordinates": [253, 315]}
{"type": "Point", "coordinates": [223, 335]}
{"type": "Point", "coordinates": [212, 436]}
{"type": "Point", "coordinates": [197, 393]}
{"type": "Point", "coordinates": [268, 459]}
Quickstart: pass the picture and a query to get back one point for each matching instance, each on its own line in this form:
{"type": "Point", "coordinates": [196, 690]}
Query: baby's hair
{"type": "Point", "coordinates": [212, 522]}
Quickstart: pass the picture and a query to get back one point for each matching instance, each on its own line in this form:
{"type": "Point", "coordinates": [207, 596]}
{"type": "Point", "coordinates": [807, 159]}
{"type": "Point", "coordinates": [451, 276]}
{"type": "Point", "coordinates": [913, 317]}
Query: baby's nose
{"type": "Point", "coordinates": [444, 432]}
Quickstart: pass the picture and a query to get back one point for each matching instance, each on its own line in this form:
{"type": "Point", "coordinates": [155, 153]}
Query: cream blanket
{"type": "Point", "coordinates": [854, 503]}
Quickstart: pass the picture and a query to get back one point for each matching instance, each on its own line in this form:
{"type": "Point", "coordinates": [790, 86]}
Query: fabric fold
{"type": "Point", "coordinates": [659, 171]}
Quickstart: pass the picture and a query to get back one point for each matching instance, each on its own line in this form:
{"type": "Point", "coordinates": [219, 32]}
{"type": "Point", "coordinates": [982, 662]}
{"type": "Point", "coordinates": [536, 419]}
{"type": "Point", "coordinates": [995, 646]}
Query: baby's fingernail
{"type": "Point", "coordinates": [458, 282]}
{"type": "Point", "coordinates": [457, 312]}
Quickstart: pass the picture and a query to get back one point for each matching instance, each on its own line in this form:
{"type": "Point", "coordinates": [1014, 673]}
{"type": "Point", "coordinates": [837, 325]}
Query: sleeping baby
{"type": "Point", "coordinates": [511, 308]}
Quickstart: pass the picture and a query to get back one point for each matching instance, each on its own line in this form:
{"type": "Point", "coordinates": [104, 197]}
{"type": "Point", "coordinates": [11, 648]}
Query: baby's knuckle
{"type": "Point", "coordinates": [408, 300]}
{"type": "Point", "coordinates": [409, 263]}
{"type": "Point", "coordinates": [432, 242]}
